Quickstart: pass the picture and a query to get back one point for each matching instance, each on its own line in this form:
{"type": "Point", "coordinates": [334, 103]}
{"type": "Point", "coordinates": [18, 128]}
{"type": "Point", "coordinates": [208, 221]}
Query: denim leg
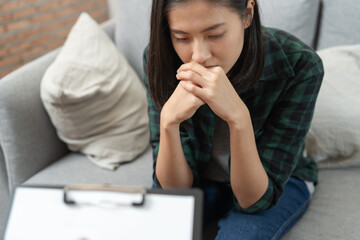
{"type": "Point", "coordinates": [270, 224]}
{"type": "Point", "coordinates": [217, 201]}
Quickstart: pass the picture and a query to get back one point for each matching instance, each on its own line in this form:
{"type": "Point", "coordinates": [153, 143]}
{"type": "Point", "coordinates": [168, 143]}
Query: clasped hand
{"type": "Point", "coordinates": [200, 85]}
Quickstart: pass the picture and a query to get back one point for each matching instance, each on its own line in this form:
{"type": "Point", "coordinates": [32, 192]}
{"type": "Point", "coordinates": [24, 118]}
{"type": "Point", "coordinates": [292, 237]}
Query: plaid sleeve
{"type": "Point", "coordinates": [154, 119]}
{"type": "Point", "coordinates": [281, 143]}
{"type": "Point", "coordinates": [187, 135]}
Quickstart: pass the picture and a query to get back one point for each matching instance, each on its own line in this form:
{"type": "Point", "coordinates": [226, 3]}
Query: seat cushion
{"type": "Point", "coordinates": [75, 168]}
{"type": "Point", "coordinates": [334, 211]}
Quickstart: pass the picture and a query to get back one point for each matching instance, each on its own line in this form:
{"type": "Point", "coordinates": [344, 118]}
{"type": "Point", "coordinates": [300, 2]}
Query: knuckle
{"type": "Point", "coordinates": [191, 74]}
{"type": "Point", "coordinates": [213, 78]}
{"type": "Point", "coordinates": [217, 70]}
{"type": "Point", "coordinates": [211, 94]}
{"type": "Point", "coordinates": [190, 87]}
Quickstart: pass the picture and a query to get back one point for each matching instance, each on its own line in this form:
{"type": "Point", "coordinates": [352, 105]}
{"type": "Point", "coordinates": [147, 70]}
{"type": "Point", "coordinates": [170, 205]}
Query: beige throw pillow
{"type": "Point", "coordinates": [95, 99]}
{"type": "Point", "coordinates": [334, 136]}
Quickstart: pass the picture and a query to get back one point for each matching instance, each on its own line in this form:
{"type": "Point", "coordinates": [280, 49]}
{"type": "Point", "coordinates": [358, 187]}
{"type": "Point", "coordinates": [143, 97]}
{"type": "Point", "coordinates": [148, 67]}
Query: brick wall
{"type": "Point", "coordinates": [30, 28]}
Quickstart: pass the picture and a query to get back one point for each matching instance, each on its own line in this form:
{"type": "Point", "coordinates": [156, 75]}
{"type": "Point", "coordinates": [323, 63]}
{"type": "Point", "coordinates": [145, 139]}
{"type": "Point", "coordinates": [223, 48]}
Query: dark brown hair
{"type": "Point", "coordinates": [163, 61]}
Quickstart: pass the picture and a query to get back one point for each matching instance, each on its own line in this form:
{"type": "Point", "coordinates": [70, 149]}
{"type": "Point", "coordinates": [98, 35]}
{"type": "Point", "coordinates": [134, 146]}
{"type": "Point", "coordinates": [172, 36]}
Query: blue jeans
{"type": "Point", "coordinates": [269, 224]}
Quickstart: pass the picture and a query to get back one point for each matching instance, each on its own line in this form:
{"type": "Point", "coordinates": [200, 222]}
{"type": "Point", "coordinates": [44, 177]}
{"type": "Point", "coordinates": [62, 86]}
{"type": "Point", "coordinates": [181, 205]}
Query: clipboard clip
{"type": "Point", "coordinates": [135, 196]}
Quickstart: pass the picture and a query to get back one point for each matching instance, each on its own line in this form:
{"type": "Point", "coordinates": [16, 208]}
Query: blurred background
{"type": "Point", "coordinates": [30, 28]}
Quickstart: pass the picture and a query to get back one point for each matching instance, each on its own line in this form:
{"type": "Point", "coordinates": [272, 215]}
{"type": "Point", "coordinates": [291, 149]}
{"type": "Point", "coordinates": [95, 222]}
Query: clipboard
{"type": "Point", "coordinates": [106, 212]}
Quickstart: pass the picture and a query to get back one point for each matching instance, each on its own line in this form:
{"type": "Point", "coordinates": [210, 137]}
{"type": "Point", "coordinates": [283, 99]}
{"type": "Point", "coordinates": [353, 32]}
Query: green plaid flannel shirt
{"type": "Point", "coordinates": [281, 105]}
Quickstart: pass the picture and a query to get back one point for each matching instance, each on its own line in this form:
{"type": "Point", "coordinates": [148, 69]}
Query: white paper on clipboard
{"type": "Point", "coordinates": [40, 213]}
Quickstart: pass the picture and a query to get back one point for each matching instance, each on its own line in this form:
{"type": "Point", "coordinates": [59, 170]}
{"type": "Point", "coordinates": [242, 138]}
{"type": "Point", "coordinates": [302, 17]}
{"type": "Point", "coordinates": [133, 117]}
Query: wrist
{"type": "Point", "coordinates": [240, 121]}
{"type": "Point", "coordinates": [167, 121]}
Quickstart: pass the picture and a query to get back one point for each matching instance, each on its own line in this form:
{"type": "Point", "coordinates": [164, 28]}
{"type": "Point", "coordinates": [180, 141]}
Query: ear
{"type": "Point", "coordinates": [250, 13]}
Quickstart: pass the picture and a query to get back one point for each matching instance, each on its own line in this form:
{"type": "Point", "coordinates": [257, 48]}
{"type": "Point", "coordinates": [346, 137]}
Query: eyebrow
{"type": "Point", "coordinates": [205, 30]}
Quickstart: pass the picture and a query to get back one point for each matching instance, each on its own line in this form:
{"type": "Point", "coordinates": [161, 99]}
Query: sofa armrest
{"type": "Point", "coordinates": [27, 137]}
{"type": "Point", "coordinates": [4, 192]}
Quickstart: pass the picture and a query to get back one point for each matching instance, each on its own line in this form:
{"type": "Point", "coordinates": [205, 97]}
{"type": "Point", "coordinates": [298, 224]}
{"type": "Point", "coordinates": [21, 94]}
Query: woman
{"type": "Point", "coordinates": [221, 85]}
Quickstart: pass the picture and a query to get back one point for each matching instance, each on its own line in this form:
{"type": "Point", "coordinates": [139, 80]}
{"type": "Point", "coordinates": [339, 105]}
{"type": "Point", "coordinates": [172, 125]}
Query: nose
{"type": "Point", "coordinates": [200, 52]}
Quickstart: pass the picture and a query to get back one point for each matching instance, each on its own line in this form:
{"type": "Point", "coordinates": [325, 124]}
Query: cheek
{"type": "Point", "coordinates": [232, 51]}
{"type": "Point", "coordinates": [239, 43]}
{"type": "Point", "coordinates": [227, 56]}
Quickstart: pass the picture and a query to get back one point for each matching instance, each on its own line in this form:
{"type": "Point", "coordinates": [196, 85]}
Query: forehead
{"type": "Point", "coordinates": [196, 15]}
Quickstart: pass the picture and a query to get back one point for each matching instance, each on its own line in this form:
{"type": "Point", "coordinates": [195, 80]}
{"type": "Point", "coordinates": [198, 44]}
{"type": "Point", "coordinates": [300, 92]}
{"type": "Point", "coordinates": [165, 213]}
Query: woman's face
{"type": "Point", "coordinates": [207, 34]}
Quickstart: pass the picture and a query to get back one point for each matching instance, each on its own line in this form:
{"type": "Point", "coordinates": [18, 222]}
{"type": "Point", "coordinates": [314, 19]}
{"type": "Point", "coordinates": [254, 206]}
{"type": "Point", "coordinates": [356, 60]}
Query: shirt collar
{"type": "Point", "coordinates": [276, 64]}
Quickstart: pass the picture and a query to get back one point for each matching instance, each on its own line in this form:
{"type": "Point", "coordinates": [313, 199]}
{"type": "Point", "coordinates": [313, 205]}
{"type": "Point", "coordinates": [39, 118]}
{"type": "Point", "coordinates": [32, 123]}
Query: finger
{"type": "Point", "coordinates": [196, 67]}
{"type": "Point", "coordinates": [191, 88]}
{"type": "Point", "coordinates": [191, 76]}
{"type": "Point", "coordinates": [216, 70]}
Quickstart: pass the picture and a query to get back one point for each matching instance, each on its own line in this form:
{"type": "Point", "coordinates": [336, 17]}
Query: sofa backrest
{"type": "Point", "coordinates": [132, 30]}
{"type": "Point", "coordinates": [339, 23]}
{"type": "Point", "coordinates": [299, 17]}
{"type": "Point", "coordinates": [319, 23]}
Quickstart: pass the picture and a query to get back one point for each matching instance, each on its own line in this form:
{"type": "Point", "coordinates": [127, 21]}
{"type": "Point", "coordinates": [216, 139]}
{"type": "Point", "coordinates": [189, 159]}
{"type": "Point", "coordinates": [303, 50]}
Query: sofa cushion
{"type": "Point", "coordinates": [66, 171]}
{"type": "Point", "coordinates": [339, 23]}
{"type": "Point", "coordinates": [334, 136]}
{"type": "Point", "coordinates": [334, 209]}
{"type": "Point", "coordinates": [132, 30]}
{"type": "Point", "coordinates": [298, 17]}
{"type": "Point", "coordinates": [95, 99]}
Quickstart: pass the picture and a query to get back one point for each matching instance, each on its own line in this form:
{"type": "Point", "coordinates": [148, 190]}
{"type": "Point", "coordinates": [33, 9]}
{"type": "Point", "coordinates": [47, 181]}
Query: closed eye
{"type": "Point", "coordinates": [216, 36]}
{"type": "Point", "coordinates": [181, 39]}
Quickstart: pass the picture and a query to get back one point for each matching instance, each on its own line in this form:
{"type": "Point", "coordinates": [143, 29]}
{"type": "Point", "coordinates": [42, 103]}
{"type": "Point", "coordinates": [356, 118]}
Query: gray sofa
{"type": "Point", "coordinates": [31, 152]}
